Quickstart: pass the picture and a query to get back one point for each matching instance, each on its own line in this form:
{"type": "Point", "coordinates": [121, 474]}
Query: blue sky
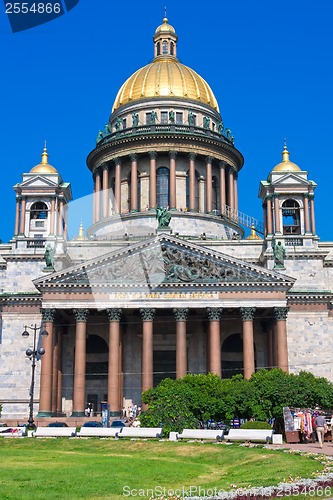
{"type": "Point", "coordinates": [269, 64]}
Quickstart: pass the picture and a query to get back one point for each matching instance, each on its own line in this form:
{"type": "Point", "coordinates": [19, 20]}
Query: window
{"type": "Point", "coordinates": [124, 122]}
{"type": "Point", "coordinates": [164, 117]}
{"type": "Point", "coordinates": [148, 118]}
{"type": "Point", "coordinates": [164, 47]}
{"type": "Point", "coordinates": [172, 48]}
{"type": "Point", "coordinates": [158, 49]}
{"type": "Point", "coordinates": [38, 210]}
{"type": "Point", "coordinates": [291, 217]}
{"type": "Point", "coordinates": [162, 187]}
{"type": "Point", "coordinates": [39, 223]}
{"type": "Point", "coordinates": [179, 118]}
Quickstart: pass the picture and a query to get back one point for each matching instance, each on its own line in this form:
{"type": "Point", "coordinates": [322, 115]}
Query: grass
{"type": "Point", "coordinates": [69, 469]}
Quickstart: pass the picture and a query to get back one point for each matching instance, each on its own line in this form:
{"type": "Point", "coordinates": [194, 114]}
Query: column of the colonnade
{"type": "Point", "coordinates": [105, 191]}
{"type": "Point", "coordinates": [114, 316]}
{"type": "Point", "coordinates": [134, 183]}
{"type": "Point", "coordinates": [280, 314]}
{"type": "Point", "coordinates": [231, 197]}
{"type": "Point", "coordinates": [173, 198]}
{"type": "Point", "coordinates": [247, 315]}
{"type": "Point", "coordinates": [17, 215]}
{"type": "Point", "coordinates": [306, 213]}
{"type": "Point", "coordinates": [52, 218]}
{"type": "Point", "coordinates": [117, 186]}
{"type": "Point", "coordinates": [269, 216]}
{"type": "Point", "coordinates": [236, 191]}
{"type": "Point", "coordinates": [79, 396]}
{"type": "Point", "coordinates": [223, 199]}
{"type": "Point", "coordinates": [209, 185]}
{"type": "Point", "coordinates": [214, 314]}
{"type": "Point", "coordinates": [277, 220]}
{"type": "Point", "coordinates": [22, 221]}
{"type": "Point", "coordinates": [152, 179]}
{"type": "Point", "coordinates": [147, 348]}
{"type": "Point", "coordinates": [181, 350]}
{"type": "Point", "coordinates": [192, 187]}
{"type": "Point", "coordinates": [55, 370]}
{"type": "Point", "coordinates": [45, 396]}
{"type": "Point", "coordinates": [312, 214]}
{"type": "Point", "coordinates": [98, 185]}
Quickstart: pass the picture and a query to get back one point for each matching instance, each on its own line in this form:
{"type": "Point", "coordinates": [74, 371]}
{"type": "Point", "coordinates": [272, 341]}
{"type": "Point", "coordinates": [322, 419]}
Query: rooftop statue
{"type": "Point", "coordinates": [48, 257]}
{"type": "Point", "coordinates": [279, 255]}
{"type": "Point", "coordinates": [135, 119]}
{"type": "Point", "coordinates": [163, 217]}
{"type": "Point", "coordinates": [172, 117]}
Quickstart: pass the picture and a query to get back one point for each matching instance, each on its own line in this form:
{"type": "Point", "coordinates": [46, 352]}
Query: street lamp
{"type": "Point", "coordinates": [32, 354]}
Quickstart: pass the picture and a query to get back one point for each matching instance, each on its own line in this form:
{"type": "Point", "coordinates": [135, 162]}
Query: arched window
{"type": "Point", "coordinates": [38, 210]}
{"type": "Point", "coordinates": [214, 194]}
{"type": "Point", "coordinates": [171, 48]}
{"type": "Point", "coordinates": [162, 187]}
{"type": "Point", "coordinates": [164, 47]}
{"type": "Point", "coordinates": [158, 49]}
{"type": "Point", "coordinates": [291, 217]}
{"type": "Point", "coordinates": [196, 208]}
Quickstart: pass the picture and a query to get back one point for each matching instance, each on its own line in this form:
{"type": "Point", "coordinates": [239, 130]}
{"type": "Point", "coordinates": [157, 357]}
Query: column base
{"type": "Point", "coordinates": [44, 414]}
{"type": "Point", "coordinates": [78, 414]}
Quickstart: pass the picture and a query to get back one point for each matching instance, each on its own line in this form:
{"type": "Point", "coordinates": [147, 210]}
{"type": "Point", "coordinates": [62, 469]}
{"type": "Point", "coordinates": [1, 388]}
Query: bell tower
{"type": "Point", "coordinates": [288, 203]}
{"type": "Point", "coordinates": [41, 198]}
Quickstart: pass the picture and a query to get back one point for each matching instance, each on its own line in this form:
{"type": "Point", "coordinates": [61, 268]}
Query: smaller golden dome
{"type": "Point", "coordinates": [253, 235]}
{"type": "Point", "coordinates": [44, 167]}
{"type": "Point", "coordinates": [165, 27]}
{"type": "Point", "coordinates": [286, 165]}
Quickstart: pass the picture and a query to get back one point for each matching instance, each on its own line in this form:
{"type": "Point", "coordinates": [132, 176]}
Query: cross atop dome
{"type": "Point", "coordinates": [165, 40]}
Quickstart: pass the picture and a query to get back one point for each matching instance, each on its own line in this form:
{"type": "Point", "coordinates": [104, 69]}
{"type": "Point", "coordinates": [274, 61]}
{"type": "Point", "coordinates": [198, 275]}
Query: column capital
{"type": "Point", "coordinates": [105, 166]}
{"type": "Point", "coordinates": [48, 315]}
{"type": "Point", "coordinates": [311, 196]}
{"type": "Point", "coordinates": [152, 155]}
{"type": "Point", "coordinates": [147, 314]}
{"type": "Point", "coordinates": [306, 195]}
{"type": "Point", "coordinates": [114, 314]}
{"type": "Point", "coordinates": [81, 314]}
{"type": "Point", "coordinates": [214, 313]}
{"type": "Point", "coordinates": [117, 161]}
{"type": "Point", "coordinates": [232, 170]}
{"type": "Point", "coordinates": [209, 159]}
{"type": "Point", "coordinates": [281, 313]}
{"type": "Point", "coordinates": [247, 313]}
{"type": "Point", "coordinates": [133, 157]}
{"type": "Point", "coordinates": [269, 197]}
{"type": "Point", "coordinates": [172, 155]}
{"type": "Point", "coordinates": [275, 196]}
{"type": "Point", "coordinates": [223, 164]}
{"type": "Point", "coordinates": [192, 156]}
{"type": "Point", "coordinates": [181, 313]}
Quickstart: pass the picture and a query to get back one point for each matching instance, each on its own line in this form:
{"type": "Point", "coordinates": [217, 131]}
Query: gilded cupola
{"type": "Point", "coordinates": [165, 76]}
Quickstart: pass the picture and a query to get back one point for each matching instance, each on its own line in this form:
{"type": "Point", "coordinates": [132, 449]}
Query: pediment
{"type": "Point", "coordinates": [38, 181]}
{"type": "Point", "coordinates": [165, 262]}
{"type": "Point", "coordinates": [291, 179]}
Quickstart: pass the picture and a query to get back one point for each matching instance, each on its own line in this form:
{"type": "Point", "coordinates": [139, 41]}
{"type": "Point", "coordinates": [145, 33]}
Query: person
{"type": "Point", "coordinates": [321, 428]}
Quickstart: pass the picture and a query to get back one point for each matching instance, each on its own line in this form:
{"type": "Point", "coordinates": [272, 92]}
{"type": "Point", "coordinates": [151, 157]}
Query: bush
{"type": "Point", "coordinates": [255, 424]}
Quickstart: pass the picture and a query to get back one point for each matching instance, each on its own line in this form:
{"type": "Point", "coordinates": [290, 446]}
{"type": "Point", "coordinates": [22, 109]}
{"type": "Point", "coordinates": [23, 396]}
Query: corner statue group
{"type": "Point", "coordinates": [163, 217]}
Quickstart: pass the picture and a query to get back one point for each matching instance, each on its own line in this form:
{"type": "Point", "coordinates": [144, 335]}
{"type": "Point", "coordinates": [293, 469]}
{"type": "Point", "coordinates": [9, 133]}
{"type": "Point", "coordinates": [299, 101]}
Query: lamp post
{"type": "Point", "coordinates": [32, 354]}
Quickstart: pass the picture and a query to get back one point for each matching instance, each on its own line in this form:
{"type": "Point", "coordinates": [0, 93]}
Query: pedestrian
{"type": "Point", "coordinates": [321, 428]}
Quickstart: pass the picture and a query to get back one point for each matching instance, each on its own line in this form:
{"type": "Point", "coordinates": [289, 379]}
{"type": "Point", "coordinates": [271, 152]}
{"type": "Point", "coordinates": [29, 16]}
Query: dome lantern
{"type": "Point", "coordinates": [165, 40]}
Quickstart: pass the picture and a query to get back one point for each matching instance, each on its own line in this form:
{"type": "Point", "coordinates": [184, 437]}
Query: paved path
{"type": "Point", "coordinates": [327, 448]}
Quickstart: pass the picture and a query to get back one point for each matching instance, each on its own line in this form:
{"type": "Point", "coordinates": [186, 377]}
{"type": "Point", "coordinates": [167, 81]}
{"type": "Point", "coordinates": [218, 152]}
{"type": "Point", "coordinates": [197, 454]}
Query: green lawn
{"type": "Point", "coordinates": [69, 469]}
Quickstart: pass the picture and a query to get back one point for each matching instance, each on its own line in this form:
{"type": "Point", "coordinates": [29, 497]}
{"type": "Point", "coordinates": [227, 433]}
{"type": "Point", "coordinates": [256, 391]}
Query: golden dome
{"type": "Point", "coordinates": [286, 165]}
{"type": "Point", "coordinates": [44, 167]}
{"type": "Point", "coordinates": [165, 27]}
{"type": "Point", "coordinates": [165, 77]}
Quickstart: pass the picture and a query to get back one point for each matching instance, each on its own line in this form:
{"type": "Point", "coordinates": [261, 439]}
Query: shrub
{"type": "Point", "coordinates": [255, 424]}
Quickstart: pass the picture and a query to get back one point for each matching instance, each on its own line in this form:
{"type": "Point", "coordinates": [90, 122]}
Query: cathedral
{"type": "Point", "coordinates": [166, 280]}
